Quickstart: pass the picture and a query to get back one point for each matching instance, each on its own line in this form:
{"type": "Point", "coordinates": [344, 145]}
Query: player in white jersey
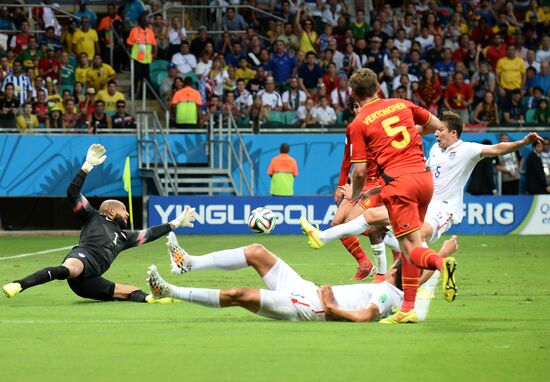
{"type": "Point", "coordinates": [287, 295]}
{"type": "Point", "coordinates": [451, 161]}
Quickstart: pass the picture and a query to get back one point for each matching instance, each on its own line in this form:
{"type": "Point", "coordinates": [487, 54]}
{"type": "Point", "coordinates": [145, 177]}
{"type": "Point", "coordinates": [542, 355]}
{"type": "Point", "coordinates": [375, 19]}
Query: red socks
{"type": "Point", "coordinates": [420, 257]}
{"type": "Point", "coordinates": [353, 246]}
{"type": "Point", "coordinates": [410, 276]}
{"type": "Point", "coordinates": [426, 258]}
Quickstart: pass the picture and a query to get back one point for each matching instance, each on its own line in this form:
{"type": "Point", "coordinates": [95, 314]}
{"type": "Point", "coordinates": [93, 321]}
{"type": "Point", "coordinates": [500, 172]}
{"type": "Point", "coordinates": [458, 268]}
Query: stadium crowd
{"type": "Point", "coordinates": [486, 60]}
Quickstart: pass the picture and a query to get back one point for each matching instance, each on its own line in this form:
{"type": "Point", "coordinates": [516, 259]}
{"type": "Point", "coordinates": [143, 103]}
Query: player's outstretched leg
{"type": "Point", "coordinates": [182, 262]}
{"type": "Point", "coordinates": [42, 276]}
{"type": "Point", "coordinates": [312, 233]}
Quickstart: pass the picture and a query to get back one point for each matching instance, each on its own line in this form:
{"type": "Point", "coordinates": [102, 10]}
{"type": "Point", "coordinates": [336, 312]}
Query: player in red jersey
{"type": "Point", "coordinates": [386, 128]}
{"type": "Point", "coordinates": [376, 234]}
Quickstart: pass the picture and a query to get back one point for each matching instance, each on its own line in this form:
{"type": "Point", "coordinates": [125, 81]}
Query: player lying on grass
{"type": "Point", "coordinates": [288, 296]}
{"type": "Point", "coordinates": [101, 240]}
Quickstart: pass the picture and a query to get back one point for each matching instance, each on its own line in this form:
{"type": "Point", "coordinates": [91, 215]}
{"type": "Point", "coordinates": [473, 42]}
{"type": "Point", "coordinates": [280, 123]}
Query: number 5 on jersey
{"type": "Point", "coordinates": [392, 131]}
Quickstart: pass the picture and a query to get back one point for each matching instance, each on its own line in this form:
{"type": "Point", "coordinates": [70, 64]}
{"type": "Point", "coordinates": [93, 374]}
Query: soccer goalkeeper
{"type": "Point", "coordinates": [101, 240]}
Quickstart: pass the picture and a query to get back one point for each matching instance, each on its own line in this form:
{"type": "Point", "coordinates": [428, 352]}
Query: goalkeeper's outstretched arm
{"type": "Point", "coordinates": [80, 205]}
{"type": "Point", "coordinates": [186, 219]}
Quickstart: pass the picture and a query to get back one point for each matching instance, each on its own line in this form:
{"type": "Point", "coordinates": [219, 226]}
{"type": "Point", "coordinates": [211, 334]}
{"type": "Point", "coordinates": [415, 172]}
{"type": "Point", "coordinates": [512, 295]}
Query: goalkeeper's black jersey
{"type": "Point", "coordinates": [101, 238]}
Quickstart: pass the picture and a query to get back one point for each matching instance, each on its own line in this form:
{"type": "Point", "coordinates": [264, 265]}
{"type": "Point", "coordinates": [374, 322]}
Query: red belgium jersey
{"type": "Point", "coordinates": [372, 169]}
{"type": "Point", "coordinates": [386, 130]}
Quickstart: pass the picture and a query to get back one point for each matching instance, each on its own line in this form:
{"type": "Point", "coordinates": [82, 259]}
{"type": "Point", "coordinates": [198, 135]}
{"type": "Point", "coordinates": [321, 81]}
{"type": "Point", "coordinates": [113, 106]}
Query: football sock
{"type": "Point", "coordinates": [425, 295]}
{"type": "Point", "coordinates": [391, 241]}
{"type": "Point", "coordinates": [229, 260]}
{"type": "Point", "coordinates": [200, 296]}
{"type": "Point", "coordinates": [138, 296]}
{"type": "Point", "coordinates": [379, 252]}
{"type": "Point", "coordinates": [45, 275]}
{"type": "Point", "coordinates": [426, 258]}
{"type": "Point", "coordinates": [353, 227]}
{"type": "Point", "coordinates": [409, 278]}
{"type": "Point", "coordinates": [353, 246]}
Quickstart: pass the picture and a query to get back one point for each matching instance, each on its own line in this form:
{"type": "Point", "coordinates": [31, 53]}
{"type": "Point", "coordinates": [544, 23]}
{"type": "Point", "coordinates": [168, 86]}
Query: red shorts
{"type": "Point", "coordinates": [407, 198]}
{"type": "Point", "coordinates": [373, 200]}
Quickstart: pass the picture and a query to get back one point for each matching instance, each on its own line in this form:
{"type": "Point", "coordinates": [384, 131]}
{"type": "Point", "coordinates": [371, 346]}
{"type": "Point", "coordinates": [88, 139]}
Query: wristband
{"type": "Point", "coordinates": [87, 167]}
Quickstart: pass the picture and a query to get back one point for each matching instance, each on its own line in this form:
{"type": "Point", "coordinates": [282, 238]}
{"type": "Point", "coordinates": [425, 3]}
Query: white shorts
{"type": "Point", "coordinates": [439, 217]}
{"type": "Point", "coordinates": [289, 297]}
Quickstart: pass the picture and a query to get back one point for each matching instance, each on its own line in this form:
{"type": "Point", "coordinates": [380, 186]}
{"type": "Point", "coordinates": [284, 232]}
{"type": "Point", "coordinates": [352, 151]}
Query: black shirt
{"type": "Point", "coordinates": [7, 117]}
{"type": "Point", "coordinates": [125, 121]}
{"type": "Point", "coordinates": [101, 238]}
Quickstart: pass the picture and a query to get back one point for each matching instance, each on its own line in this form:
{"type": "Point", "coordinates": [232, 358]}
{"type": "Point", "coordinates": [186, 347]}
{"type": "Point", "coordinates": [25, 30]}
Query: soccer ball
{"type": "Point", "coordinates": [261, 220]}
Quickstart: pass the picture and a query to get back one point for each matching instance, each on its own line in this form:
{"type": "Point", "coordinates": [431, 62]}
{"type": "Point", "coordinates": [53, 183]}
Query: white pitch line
{"type": "Point", "coordinates": [63, 322]}
{"type": "Point", "coordinates": [36, 253]}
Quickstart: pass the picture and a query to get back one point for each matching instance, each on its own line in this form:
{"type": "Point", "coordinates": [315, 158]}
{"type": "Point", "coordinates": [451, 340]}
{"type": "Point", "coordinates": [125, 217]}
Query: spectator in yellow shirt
{"type": "Point", "coordinates": [82, 69]}
{"type": "Point", "coordinates": [510, 71]}
{"type": "Point", "coordinates": [244, 71]}
{"type": "Point", "coordinates": [110, 96]}
{"type": "Point", "coordinates": [85, 39]}
{"type": "Point", "coordinates": [26, 120]}
{"type": "Point", "coordinates": [99, 73]}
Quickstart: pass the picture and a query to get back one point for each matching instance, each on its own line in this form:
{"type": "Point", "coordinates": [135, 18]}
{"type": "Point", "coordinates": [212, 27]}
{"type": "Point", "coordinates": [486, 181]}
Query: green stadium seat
{"type": "Point", "coordinates": [340, 119]}
{"type": "Point", "coordinates": [194, 78]}
{"type": "Point", "coordinates": [158, 65]}
{"type": "Point", "coordinates": [159, 78]}
{"type": "Point", "coordinates": [530, 115]}
{"type": "Point", "coordinates": [290, 117]}
{"type": "Point", "coordinates": [276, 117]}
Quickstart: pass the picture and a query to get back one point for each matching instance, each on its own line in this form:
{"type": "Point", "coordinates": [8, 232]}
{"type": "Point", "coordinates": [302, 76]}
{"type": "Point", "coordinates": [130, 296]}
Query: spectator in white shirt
{"type": "Point", "coordinates": [270, 98]}
{"type": "Point", "coordinates": [243, 98]}
{"type": "Point", "coordinates": [294, 97]}
{"type": "Point", "coordinates": [402, 42]}
{"type": "Point", "coordinates": [403, 70]}
{"type": "Point", "coordinates": [307, 114]}
{"type": "Point", "coordinates": [543, 54]}
{"type": "Point", "coordinates": [340, 96]}
{"type": "Point", "coordinates": [176, 35]}
{"type": "Point", "coordinates": [185, 61]}
{"type": "Point", "coordinates": [325, 114]}
{"type": "Point", "coordinates": [204, 65]}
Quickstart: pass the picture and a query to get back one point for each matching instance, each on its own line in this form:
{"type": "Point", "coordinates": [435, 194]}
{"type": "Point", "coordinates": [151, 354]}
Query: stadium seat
{"type": "Point", "coordinates": [340, 120]}
{"type": "Point", "coordinates": [159, 65]}
{"type": "Point", "coordinates": [158, 78]}
{"type": "Point", "coordinates": [530, 115]}
{"type": "Point", "coordinates": [277, 117]}
{"type": "Point", "coordinates": [291, 117]}
{"type": "Point", "coordinates": [194, 78]}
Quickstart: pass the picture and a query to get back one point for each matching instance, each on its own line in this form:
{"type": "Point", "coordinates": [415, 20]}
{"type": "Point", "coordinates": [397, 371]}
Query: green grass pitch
{"type": "Point", "coordinates": [498, 329]}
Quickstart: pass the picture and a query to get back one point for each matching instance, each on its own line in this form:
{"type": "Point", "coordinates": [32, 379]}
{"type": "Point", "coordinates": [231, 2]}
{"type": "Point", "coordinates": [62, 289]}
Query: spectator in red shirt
{"type": "Point", "coordinates": [459, 96]}
{"type": "Point", "coordinates": [481, 33]}
{"type": "Point", "coordinates": [20, 41]}
{"type": "Point", "coordinates": [49, 66]}
{"type": "Point", "coordinates": [496, 51]}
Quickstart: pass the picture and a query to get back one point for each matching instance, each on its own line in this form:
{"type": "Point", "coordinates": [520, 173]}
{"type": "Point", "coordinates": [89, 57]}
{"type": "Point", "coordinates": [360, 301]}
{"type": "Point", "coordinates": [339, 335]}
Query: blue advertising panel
{"type": "Point", "coordinates": [227, 214]}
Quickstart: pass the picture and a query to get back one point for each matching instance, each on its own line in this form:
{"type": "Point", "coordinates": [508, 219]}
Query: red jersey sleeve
{"type": "Point", "coordinates": [421, 116]}
{"type": "Point", "coordinates": [346, 162]}
{"type": "Point", "coordinates": [357, 145]}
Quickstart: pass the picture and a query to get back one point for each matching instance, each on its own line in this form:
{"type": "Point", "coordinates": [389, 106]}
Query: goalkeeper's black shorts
{"type": "Point", "coordinates": [90, 284]}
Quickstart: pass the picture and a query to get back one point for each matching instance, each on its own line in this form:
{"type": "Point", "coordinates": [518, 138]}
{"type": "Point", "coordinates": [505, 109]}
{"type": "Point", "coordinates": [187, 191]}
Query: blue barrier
{"type": "Point", "coordinates": [32, 165]}
{"type": "Point", "coordinates": [227, 214]}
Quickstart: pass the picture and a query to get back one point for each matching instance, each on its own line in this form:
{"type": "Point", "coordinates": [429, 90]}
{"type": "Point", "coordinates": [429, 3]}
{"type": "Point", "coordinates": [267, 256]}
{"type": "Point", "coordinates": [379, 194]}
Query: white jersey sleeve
{"type": "Point", "coordinates": [451, 168]}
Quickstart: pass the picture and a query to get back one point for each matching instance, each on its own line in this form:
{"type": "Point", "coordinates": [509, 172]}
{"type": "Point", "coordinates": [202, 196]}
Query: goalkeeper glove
{"type": "Point", "coordinates": [186, 218]}
{"type": "Point", "coordinates": [96, 156]}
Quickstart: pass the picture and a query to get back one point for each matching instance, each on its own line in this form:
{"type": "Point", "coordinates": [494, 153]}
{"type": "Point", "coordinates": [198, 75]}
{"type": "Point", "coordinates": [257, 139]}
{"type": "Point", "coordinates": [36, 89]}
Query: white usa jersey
{"type": "Point", "coordinates": [358, 296]}
{"type": "Point", "coordinates": [451, 169]}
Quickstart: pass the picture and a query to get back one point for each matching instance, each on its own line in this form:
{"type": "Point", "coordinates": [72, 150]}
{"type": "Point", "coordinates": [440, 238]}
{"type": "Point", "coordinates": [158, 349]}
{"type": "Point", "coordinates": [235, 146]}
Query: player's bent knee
{"type": "Point", "coordinates": [75, 267]}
